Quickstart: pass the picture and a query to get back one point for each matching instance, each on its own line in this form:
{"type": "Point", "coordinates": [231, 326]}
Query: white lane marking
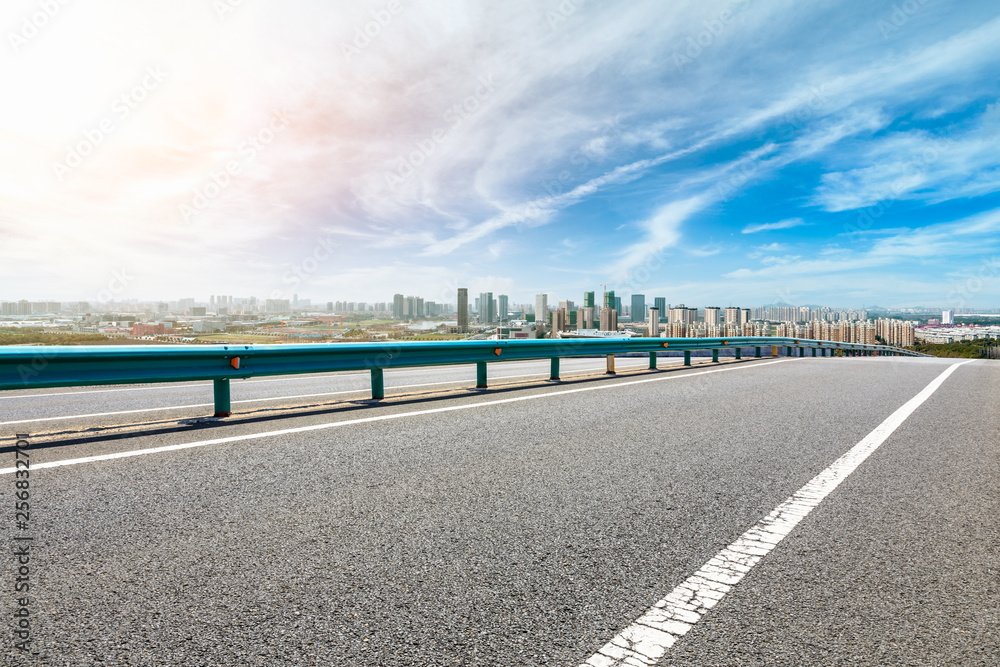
{"type": "Point", "coordinates": [378, 418]}
{"type": "Point", "coordinates": [647, 640]}
{"type": "Point", "coordinates": [258, 400]}
{"type": "Point", "coordinates": [182, 385]}
{"type": "Point", "coordinates": [105, 414]}
{"type": "Point", "coordinates": [171, 385]}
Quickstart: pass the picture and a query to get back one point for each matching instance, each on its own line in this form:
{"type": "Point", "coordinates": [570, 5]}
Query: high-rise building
{"type": "Point", "coordinates": [947, 317]}
{"type": "Point", "coordinates": [568, 314]}
{"type": "Point", "coordinates": [712, 316]}
{"type": "Point", "coordinates": [541, 308]}
{"type": "Point", "coordinates": [463, 309]}
{"type": "Point", "coordinates": [487, 314]}
{"type": "Point", "coordinates": [638, 308]}
{"type": "Point", "coordinates": [609, 319]}
{"type": "Point", "coordinates": [660, 303]}
{"type": "Point", "coordinates": [654, 323]}
{"type": "Point", "coordinates": [588, 299]}
{"type": "Point", "coordinates": [503, 308]}
{"type": "Point", "coordinates": [683, 315]}
{"type": "Point", "coordinates": [609, 300]}
{"type": "Point", "coordinates": [732, 315]}
{"type": "Point", "coordinates": [397, 306]}
{"type": "Point", "coordinates": [559, 320]}
{"type": "Point", "coordinates": [618, 305]}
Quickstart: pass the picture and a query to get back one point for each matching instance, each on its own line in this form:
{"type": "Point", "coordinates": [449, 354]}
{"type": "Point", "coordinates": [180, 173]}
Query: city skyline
{"type": "Point", "coordinates": [520, 153]}
{"type": "Point", "coordinates": [402, 305]}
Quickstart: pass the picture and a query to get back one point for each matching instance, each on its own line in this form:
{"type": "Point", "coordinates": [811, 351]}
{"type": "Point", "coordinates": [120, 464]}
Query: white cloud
{"type": "Point", "coordinates": [772, 226]}
{"type": "Point", "coordinates": [573, 113]}
{"type": "Point", "coordinates": [706, 251]}
{"type": "Point", "coordinates": [659, 232]}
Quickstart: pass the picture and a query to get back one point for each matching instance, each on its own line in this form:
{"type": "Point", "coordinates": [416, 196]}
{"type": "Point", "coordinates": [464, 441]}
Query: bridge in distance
{"type": "Point", "coordinates": [758, 512]}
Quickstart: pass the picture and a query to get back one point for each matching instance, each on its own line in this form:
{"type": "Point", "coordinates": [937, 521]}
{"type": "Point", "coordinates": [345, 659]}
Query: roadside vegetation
{"type": "Point", "coordinates": [968, 349]}
{"type": "Point", "coordinates": [11, 336]}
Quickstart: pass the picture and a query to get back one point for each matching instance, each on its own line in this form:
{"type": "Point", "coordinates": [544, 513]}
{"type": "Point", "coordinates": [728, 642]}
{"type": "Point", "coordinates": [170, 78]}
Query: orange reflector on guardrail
{"type": "Point", "coordinates": [497, 351]}
{"type": "Point", "coordinates": [235, 362]}
{"type": "Point", "coordinates": [665, 344]}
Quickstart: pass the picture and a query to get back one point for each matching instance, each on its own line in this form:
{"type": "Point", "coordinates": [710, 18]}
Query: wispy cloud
{"type": "Point", "coordinates": [660, 231]}
{"type": "Point", "coordinates": [772, 226]}
{"type": "Point", "coordinates": [512, 134]}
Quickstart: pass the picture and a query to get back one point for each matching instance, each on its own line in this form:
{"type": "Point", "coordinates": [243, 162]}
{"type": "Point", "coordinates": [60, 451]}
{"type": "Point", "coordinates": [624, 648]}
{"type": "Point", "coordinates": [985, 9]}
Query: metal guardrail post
{"type": "Point", "coordinates": [802, 351]}
{"type": "Point", "coordinates": [611, 365]}
{"type": "Point", "coordinates": [814, 351]}
{"type": "Point", "coordinates": [756, 351]}
{"type": "Point", "coordinates": [652, 361]}
{"type": "Point", "coordinates": [220, 389]}
{"type": "Point", "coordinates": [480, 375]}
{"type": "Point", "coordinates": [554, 369]}
{"type": "Point", "coordinates": [687, 357]}
{"type": "Point", "coordinates": [738, 352]}
{"type": "Point", "coordinates": [378, 385]}
{"type": "Point", "coordinates": [774, 350]}
{"type": "Point", "coordinates": [715, 356]}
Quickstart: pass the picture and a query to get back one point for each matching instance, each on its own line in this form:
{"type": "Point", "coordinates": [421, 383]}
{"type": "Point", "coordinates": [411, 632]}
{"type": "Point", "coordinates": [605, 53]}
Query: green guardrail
{"type": "Point", "coordinates": [70, 366]}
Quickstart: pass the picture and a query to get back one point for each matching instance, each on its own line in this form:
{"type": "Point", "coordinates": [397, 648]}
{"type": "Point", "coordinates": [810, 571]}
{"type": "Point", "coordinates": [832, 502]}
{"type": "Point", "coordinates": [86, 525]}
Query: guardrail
{"type": "Point", "coordinates": [83, 365]}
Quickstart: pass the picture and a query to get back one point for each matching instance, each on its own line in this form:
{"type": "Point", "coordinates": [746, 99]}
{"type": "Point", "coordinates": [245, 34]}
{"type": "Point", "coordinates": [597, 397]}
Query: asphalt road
{"type": "Point", "coordinates": [527, 525]}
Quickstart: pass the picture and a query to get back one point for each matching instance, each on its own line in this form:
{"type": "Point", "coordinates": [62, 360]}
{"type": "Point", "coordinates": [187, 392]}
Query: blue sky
{"type": "Point", "coordinates": [715, 153]}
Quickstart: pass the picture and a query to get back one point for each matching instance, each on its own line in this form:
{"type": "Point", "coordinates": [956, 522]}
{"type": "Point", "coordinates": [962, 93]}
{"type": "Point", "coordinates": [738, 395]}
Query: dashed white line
{"type": "Point", "coordinates": [378, 418]}
{"type": "Point", "coordinates": [645, 641]}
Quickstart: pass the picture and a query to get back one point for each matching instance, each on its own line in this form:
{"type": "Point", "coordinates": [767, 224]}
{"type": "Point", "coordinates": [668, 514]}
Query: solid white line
{"type": "Point", "coordinates": [366, 420]}
{"type": "Point", "coordinates": [259, 400]}
{"type": "Point", "coordinates": [104, 414]}
{"type": "Point", "coordinates": [646, 640]}
{"type": "Point", "coordinates": [182, 385]}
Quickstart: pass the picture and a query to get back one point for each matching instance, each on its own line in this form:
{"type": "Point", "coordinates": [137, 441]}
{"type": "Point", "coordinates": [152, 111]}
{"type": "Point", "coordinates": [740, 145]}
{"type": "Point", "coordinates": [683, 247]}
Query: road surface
{"type": "Point", "coordinates": [528, 525]}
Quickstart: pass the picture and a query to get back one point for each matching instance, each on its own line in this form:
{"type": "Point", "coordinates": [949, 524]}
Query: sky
{"type": "Point", "coordinates": [740, 152]}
